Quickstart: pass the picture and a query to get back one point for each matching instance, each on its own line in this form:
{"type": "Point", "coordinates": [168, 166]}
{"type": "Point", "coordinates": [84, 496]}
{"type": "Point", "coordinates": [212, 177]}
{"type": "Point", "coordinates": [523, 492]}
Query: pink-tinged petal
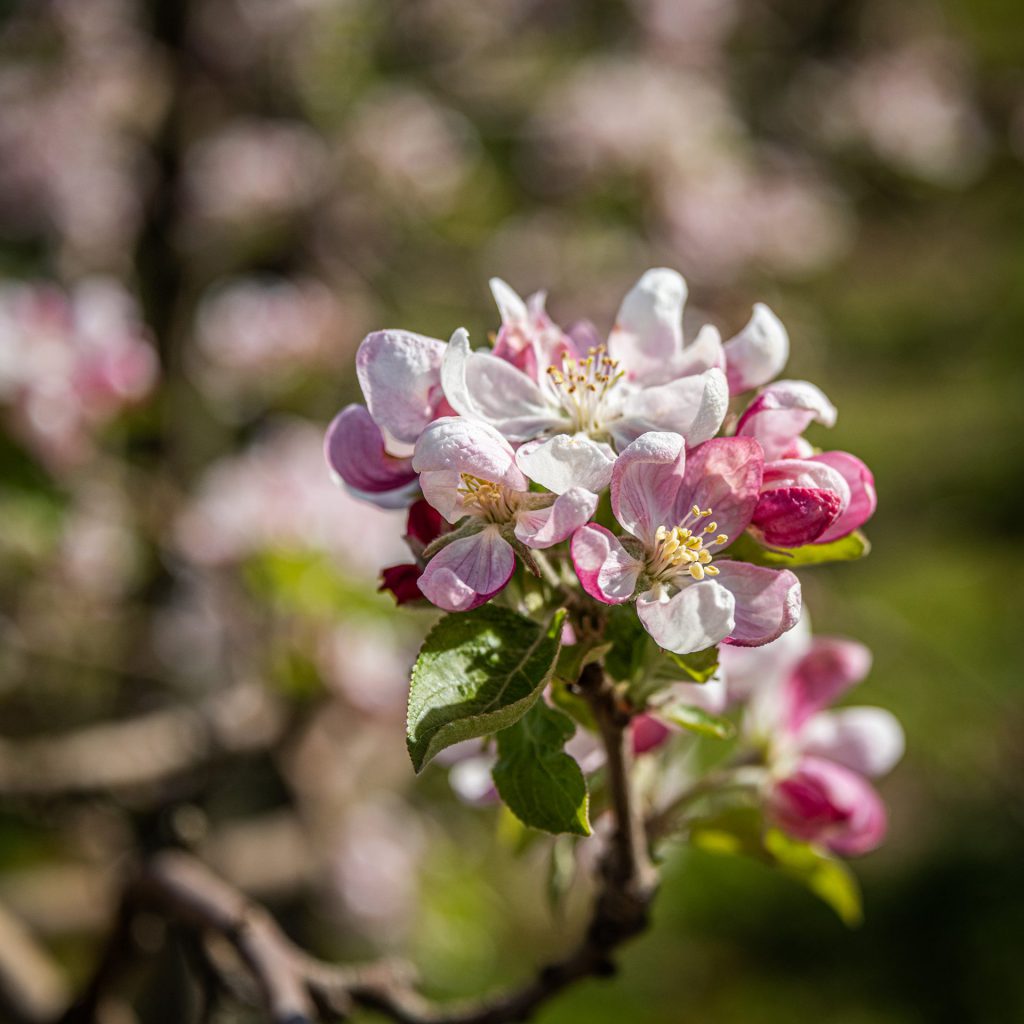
{"type": "Point", "coordinates": [645, 483]}
{"type": "Point", "coordinates": [648, 733]}
{"type": "Point", "coordinates": [468, 572]}
{"type": "Point", "coordinates": [465, 446]}
{"type": "Point", "coordinates": [792, 516]}
{"type": "Point", "coordinates": [757, 673]}
{"type": "Point", "coordinates": [866, 740]}
{"type": "Point", "coordinates": [705, 352]}
{"type": "Point", "coordinates": [542, 527]}
{"type": "Point", "coordinates": [699, 616]}
{"type": "Point", "coordinates": [648, 334]}
{"type": "Point", "coordinates": [782, 412]}
{"type": "Point", "coordinates": [824, 803]}
{"type": "Point", "coordinates": [767, 601]}
{"type": "Point", "coordinates": [354, 449]}
{"type": "Point", "coordinates": [606, 570]}
{"type": "Point", "coordinates": [481, 386]}
{"type": "Point", "coordinates": [402, 582]}
{"type": "Point", "coordinates": [723, 474]}
{"type": "Point", "coordinates": [563, 462]}
{"type": "Point", "coordinates": [758, 353]}
{"type": "Point", "coordinates": [863, 498]}
{"type": "Point", "coordinates": [694, 407]}
{"type": "Point", "coordinates": [400, 374]}
{"type": "Point", "coordinates": [830, 668]}
{"type": "Point", "coordinates": [511, 307]}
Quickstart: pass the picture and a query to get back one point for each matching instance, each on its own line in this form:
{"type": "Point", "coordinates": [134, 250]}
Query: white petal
{"type": "Point", "coordinates": [512, 308]}
{"type": "Point", "coordinates": [648, 333]}
{"type": "Point", "coordinates": [758, 353]}
{"type": "Point", "coordinates": [480, 386]}
{"type": "Point", "coordinates": [693, 407]}
{"type": "Point", "coordinates": [563, 462]}
{"type": "Point", "coordinates": [699, 616]}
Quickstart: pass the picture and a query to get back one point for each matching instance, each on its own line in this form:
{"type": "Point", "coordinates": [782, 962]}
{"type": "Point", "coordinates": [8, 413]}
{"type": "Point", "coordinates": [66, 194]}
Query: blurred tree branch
{"type": "Point", "coordinates": [145, 750]}
{"type": "Point", "coordinates": [295, 987]}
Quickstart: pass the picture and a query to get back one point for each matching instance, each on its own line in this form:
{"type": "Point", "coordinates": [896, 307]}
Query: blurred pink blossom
{"type": "Point", "coordinates": [252, 171]}
{"type": "Point", "coordinates": [69, 362]}
{"type": "Point", "coordinates": [260, 333]}
{"type": "Point", "coordinates": [421, 152]}
{"type": "Point", "coordinates": [276, 495]}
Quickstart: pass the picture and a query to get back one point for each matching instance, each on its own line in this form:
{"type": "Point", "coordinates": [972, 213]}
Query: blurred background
{"type": "Point", "coordinates": [203, 209]}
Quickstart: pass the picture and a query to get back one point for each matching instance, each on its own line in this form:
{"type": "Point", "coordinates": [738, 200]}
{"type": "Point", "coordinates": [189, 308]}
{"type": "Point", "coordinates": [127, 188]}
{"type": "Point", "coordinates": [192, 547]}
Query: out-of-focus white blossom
{"type": "Point", "coordinates": [420, 151]}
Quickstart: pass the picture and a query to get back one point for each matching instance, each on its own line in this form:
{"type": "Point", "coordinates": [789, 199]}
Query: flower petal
{"type": "Point", "coordinates": [758, 353]}
{"type": "Point", "coordinates": [401, 581]}
{"type": "Point", "coordinates": [823, 802]}
{"type": "Point", "coordinates": [542, 527]}
{"type": "Point", "coordinates": [468, 447]}
{"type": "Point", "coordinates": [699, 616]}
{"type": "Point", "coordinates": [863, 498]}
{"type": "Point", "coordinates": [484, 387]}
{"type": "Point", "coordinates": [469, 571]}
{"type": "Point", "coordinates": [400, 374]}
{"type": "Point", "coordinates": [563, 462]}
{"type": "Point", "coordinates": [606, 570]}
{"type": "Point", "coordinates": [830, 668]}
{"type": "Point", "coordinates": [453, 446]}
{"type": "Point", "coordinates": [800, 500]}
{"type": "Point", "coordinates": [865, 740]}
{"type": "Point", "coordinates": [767, 601]}
{"type": "Point", "coordinates": [723, 474]}
{"type": "Point", "coordinates": [648, 334]}
{"type": "Point", "coordinates": [782, 412]}
{"type": "Point", "coordinates": [703, 353]}
{"type": "Point", "coordinates": [645, 483]}
{"type": "Point", "coordinates": [691, 406]}
{"type": "Point", "coordinates": [354, 449]}
{"type": "Point", "coordinates": [792, 516]}
{"type": "Point", "coordinates": [511, 307]}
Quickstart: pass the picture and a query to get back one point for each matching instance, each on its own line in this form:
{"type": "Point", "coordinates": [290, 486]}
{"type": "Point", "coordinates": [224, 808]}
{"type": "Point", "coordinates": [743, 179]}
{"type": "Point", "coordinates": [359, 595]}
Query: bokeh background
{"type": "Point", "coordinates": [204, 206]}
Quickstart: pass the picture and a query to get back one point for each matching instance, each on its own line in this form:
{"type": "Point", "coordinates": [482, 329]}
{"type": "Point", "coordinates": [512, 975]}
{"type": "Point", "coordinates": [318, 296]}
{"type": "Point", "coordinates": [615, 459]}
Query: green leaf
{"type": "Point", "coordinates": [686, 716]}
{"type": "Point", "coordinates": [828, 878]}
{"type": "Point", "coordinates": [698, 667]}
{"type": "Point", "coordinates": [541, 784]}
{"type": "Point", "coordinates": [477, 672]}
{"type": "Point", "coordinates": [740, 831]}
{"type": "Point", "coordinates": [847, 549]}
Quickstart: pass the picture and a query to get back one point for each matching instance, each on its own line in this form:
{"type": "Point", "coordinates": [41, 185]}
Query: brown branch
{"type": "Point", "coordinates": [293, 985]}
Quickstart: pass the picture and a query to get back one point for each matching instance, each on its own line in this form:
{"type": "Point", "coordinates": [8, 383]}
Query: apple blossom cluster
{"type": "Point", "coordinates": [648, 494]}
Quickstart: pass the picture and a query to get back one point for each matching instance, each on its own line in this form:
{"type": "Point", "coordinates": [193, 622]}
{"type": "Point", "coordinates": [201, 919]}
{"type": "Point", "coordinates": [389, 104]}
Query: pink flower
{"type": "Point", "coordinates": [423, 526]}
{"type": "Point", "coordinates": [368, 449]}
{"type": "Point", "coordinates": [644, 379]}
{"type": "Point", "coordinates": [806, 497]}
{"type": "Point", "coordinates": [819, 761]}
{"type": "Point", "coordinates": [665, 499]}
{"type": "Point", "coordinates": [469, 471]}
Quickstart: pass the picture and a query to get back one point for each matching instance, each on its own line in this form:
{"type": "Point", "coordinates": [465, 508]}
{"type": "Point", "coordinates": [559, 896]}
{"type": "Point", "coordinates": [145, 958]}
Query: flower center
{"type": "Point", "coordinates": [485, 499]}
{"type": "Point", "coordinates": [684, 550]}
{"type": "Point", "coordinates": [583, 385]}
